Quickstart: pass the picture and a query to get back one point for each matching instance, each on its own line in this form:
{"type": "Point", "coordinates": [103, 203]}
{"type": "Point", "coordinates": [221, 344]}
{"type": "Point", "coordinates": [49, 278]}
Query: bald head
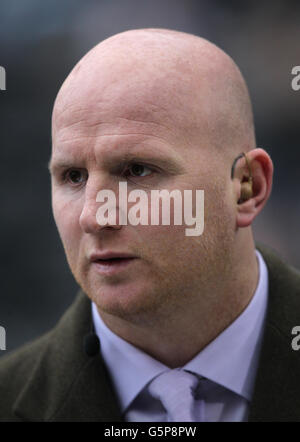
{"type": "Point", "coordinates": [139, 73]}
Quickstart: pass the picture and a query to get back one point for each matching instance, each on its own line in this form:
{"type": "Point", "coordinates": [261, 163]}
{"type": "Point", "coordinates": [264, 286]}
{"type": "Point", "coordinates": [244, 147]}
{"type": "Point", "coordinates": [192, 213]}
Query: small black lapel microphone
{"type": "Point", "coordinates": [91, 343]}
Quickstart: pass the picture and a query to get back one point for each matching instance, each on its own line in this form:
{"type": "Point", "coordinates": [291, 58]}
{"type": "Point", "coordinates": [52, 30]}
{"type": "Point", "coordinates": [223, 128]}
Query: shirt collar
{"type": "Point", "coordinates": [230, 360]}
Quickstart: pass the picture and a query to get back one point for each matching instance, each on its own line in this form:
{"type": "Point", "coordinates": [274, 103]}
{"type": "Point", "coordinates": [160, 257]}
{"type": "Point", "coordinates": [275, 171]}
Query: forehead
{"type": "Point", "coordinates": [100, 97]}
{"type": "Point", "coordinates": [120, 140]}
{"type": "Point", "coordinates": [121, 119]}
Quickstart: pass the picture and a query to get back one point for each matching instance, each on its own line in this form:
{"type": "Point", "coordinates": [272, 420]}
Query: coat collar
{"type": "Point", "coordinates": [277, 387]}
{"type": "Point", "coordinates": [67, 384]}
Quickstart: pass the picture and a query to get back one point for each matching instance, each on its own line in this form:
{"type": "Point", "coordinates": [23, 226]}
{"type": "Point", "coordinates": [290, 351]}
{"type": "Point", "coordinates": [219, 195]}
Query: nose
{"type": "Point", "coordinates": [88, 219]}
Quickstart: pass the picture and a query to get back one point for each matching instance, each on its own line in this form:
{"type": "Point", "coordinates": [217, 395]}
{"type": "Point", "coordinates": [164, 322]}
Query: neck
{"type": "Point", "coordinates": [174, 338]}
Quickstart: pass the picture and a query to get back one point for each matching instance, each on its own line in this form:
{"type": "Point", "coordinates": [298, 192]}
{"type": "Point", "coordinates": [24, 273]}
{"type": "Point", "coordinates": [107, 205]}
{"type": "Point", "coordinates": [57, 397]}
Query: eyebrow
{"type": "Point", "coordinates": [53, 165]}
{"type": "Point", "coordinates": [114, 162]}
{"type": "Point", "coordinates": [164, 162]}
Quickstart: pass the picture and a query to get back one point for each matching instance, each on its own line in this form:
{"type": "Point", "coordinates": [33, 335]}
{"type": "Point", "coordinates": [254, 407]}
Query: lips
{"type": "Point", "coordinates": [110, 256]}
{"type": "Point", "coordinates": [111, 262]}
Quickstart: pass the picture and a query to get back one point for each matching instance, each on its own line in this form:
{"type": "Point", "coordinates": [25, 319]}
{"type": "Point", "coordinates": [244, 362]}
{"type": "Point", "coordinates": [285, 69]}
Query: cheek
{"type": "Point", "coordinates": [161, 245]}
{"type": "Point", "coordinates": [66, 215]}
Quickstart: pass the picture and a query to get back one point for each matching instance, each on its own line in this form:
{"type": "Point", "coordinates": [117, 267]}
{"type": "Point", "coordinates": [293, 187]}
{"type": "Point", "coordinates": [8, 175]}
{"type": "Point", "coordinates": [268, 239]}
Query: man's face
{"type": "Point", "coordinates": [123, 135]}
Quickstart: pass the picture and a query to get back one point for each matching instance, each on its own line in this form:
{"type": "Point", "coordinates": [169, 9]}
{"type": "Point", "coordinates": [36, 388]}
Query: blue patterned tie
{"type": "Point", "coordinates": [175, 389]}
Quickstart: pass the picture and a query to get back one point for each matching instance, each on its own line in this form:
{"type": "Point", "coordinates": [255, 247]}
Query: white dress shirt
{"type": "Point", "coordinates": [229, 364]}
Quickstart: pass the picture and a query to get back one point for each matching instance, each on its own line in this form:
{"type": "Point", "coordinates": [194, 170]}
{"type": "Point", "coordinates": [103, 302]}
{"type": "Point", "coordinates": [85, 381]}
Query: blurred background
{"type": "Point", "coordinates": [39, 44]}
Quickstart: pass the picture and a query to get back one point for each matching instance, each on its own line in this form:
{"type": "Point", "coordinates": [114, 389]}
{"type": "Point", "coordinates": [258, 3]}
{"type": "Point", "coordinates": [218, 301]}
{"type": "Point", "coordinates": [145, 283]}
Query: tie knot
{"type": "Point", "coordinates": [175, 389]}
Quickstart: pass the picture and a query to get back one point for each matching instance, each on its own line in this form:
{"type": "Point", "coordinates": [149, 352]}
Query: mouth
{"type": "Point", "coordinates": [109, 265]}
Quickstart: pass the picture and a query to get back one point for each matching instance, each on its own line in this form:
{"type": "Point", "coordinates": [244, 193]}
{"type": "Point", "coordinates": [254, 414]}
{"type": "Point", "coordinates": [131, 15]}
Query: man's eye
{"type": "Point", "coordinates": [138, 170]}
{"type": "Point", "coordinates": [74, 176]}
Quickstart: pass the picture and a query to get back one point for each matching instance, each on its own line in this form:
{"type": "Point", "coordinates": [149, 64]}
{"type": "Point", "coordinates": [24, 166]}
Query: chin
{"type": "Point", "coordinates": [127, 301]}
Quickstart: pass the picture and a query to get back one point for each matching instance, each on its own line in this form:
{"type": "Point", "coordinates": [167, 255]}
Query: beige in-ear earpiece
{"type": "Point", "coordinates": [246, 192]}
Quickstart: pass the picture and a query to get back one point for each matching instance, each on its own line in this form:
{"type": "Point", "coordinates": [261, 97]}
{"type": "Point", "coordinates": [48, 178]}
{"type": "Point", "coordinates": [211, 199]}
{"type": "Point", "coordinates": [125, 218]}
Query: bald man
{"type": "Point", "coordinates": [167, 326]}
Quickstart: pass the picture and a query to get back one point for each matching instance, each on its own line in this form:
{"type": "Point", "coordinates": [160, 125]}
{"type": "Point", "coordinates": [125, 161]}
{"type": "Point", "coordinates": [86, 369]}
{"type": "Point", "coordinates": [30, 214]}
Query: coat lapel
{"type": "Point", "coordinates": [277, 387]}
{"type": "Point", "coordinates": [67, 384]}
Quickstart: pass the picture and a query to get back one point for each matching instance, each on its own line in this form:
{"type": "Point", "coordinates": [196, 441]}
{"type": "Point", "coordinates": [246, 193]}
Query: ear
{"type": "Point", "coordinates": [261, 167]}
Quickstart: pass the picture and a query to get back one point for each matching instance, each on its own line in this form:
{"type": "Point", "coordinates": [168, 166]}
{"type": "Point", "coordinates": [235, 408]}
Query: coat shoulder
{"type": "Point", "coordinates": [284, 290]}
{"type": "Point", "coordinates": [40, 373]}
{"type": "Point", "coordinates": [16, 369]}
